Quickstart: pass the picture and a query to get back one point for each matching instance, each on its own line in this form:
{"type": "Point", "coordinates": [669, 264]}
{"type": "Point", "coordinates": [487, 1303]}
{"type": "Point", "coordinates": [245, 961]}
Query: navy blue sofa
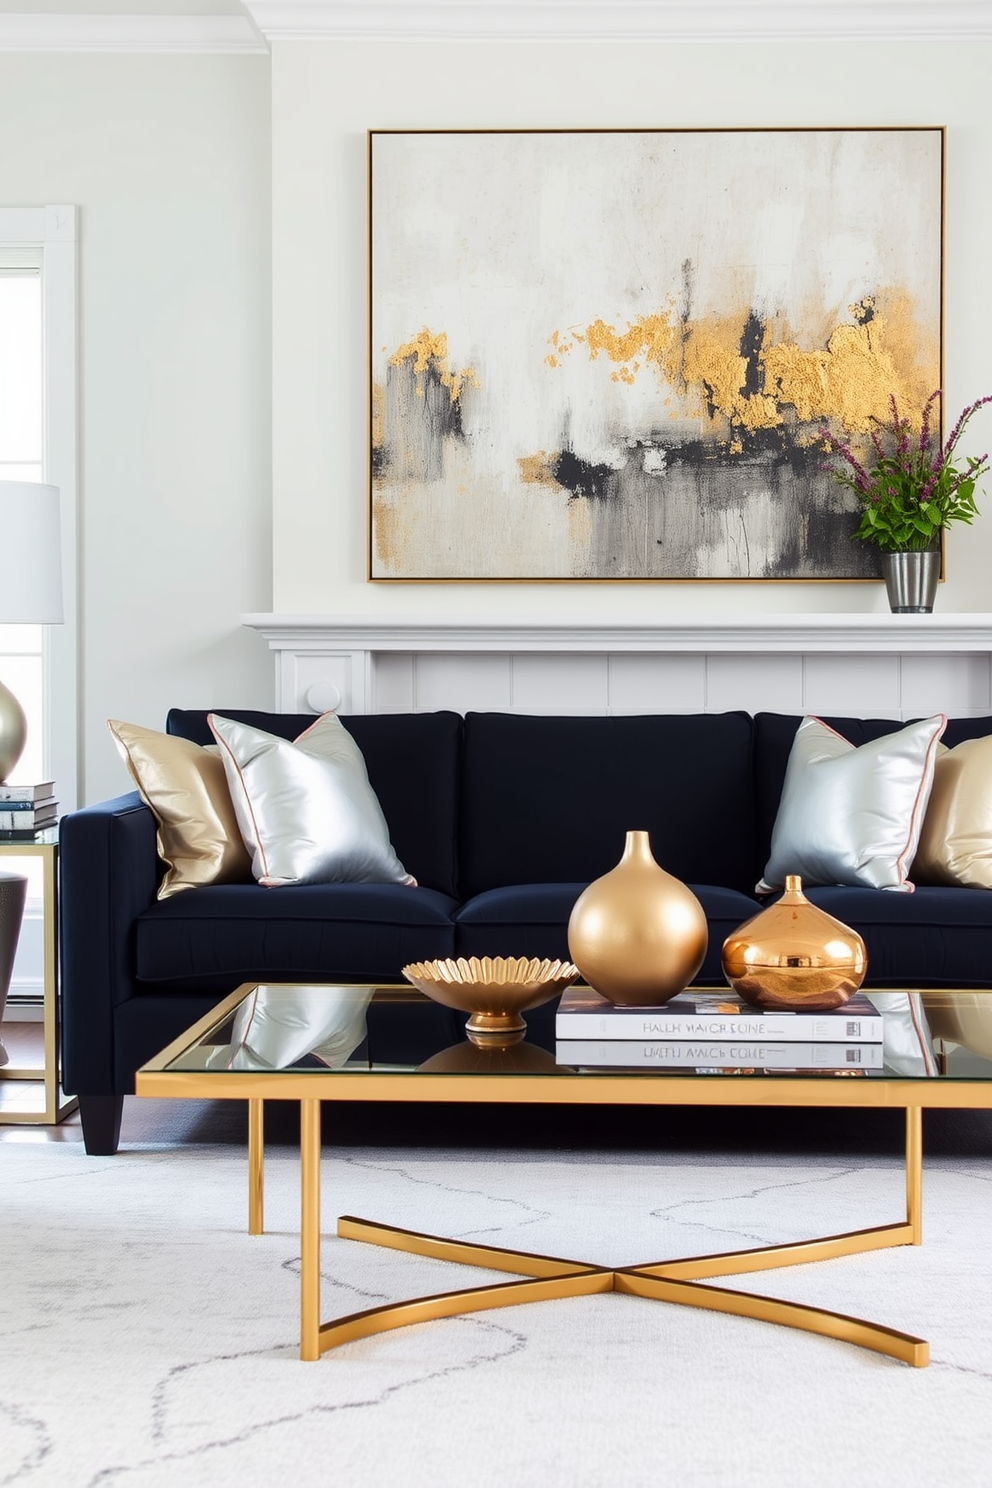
{"type": "Point", "coordinates": [503, 820]}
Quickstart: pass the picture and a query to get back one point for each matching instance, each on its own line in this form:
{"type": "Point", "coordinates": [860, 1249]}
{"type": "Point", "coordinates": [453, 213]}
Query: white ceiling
{"type": "Point", "coordinates": [249, 25]}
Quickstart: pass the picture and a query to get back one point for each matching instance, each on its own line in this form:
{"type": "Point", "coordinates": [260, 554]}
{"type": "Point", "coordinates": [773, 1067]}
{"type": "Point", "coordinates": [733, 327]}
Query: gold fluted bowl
{"type": "Point", "coordinates": [496, 990]}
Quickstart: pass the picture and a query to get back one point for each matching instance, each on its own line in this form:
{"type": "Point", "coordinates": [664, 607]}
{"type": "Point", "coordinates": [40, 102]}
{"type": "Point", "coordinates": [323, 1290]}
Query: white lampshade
{"type": "Point", "coordinates": [30, 531]}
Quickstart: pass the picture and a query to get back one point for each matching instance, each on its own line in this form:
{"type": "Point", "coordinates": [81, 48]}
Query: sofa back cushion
{"type": "Point", "coordinates": [413, 763]}
{"type": "Point", "coordinates": [773, 738]}
{"type": "Point", "coordinates": [550, 800]}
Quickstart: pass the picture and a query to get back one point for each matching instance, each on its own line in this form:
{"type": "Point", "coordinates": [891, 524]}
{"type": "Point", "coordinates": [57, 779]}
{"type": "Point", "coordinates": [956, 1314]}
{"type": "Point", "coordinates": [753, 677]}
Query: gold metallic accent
{"type": "Point", "coordinates": [677, 1280]}
{"type": "Point", "coordinates": [495, 990]}
{"type": "Point", "coordinates": [640, 1089]}
{"type": "Point", "coordinates": [186, 790]}
{"type": "Point", "coordinates": [492, 1059]}
{"type": "Point", "coordinates": [914, 1173]}
{"type": "Point", "coordinates": [310, 1229]}
{"type": "Point", "coordinates": [39, 1100]}
{"type": "Point", "coordinates": [256, 1167]}
{"type": "Point", "coordinates": [637, 935]}
{"type": "Point", "coordinates": [961, 1018]}
{"type": "Point", "coordinates": [793, 955]}
{"type": "Point", "coordinates": [13, 730]}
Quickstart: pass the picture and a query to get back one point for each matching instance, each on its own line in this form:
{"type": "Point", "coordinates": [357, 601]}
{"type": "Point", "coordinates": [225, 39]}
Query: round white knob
{"type": "Point", "coordinates": [323, 697]}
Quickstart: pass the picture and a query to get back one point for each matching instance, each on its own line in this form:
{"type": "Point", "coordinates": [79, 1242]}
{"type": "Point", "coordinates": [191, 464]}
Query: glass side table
{"type": "Point", "coordinates": [31, 1094]}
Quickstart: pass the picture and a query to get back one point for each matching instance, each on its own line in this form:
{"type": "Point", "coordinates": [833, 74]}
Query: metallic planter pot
{"type": "Point", "coordinates": [911, 581]}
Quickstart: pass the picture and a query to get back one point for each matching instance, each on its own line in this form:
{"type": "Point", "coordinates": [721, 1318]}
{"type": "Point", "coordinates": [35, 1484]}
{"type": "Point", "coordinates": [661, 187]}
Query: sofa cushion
{"type": "Point", "coordinates": [413, 762]}
{"type": "Point", "coordinates": [936, 937]}
{"type": "Point", "coordinates": [852, 815]}
{"type": "Point", "coordinates": [233, 933]}
{"type": "Point", "coordinates": [773, 737]}
{"type": "Point", "coordinates": [532, 920]}
{"type": "Point", "coordinates": [550, 800]}
{"type": "Point", "coordinates": [306, 810]}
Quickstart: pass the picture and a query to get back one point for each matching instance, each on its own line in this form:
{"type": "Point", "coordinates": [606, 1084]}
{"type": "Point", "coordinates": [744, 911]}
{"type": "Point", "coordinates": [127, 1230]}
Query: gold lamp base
{"type": "Point", "coordinates": [13, 731]}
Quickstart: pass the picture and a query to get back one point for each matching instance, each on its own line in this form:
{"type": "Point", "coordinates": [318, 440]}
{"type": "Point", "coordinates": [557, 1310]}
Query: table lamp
{"type": "Point", "coordinates": [31, 589]}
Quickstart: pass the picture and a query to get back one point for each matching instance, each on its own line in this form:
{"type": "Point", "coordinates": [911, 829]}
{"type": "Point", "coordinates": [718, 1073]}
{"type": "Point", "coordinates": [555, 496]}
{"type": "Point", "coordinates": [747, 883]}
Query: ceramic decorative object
{"type": "Point", "coordinates": [496, 990]}
{"type": "Point", "coordinates": [638, 935]}
{"type": "Point", "coordinates": [793, 955]}
{"type": "Point", "coordinates": [13, 892]}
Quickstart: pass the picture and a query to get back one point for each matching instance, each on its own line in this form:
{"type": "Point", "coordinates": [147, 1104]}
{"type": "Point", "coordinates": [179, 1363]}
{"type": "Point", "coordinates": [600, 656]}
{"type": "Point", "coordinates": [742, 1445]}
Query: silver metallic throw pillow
{"type": "Point", "coordinates": [853, 815]}
{"type": "Point", "coordinates": [305, 809]}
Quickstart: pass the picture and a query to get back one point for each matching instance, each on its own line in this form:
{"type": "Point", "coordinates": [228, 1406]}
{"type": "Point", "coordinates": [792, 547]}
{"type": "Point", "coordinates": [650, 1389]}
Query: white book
{"type": "Point", "coordinates": [688, 1054]}
{"type": "Point", "coordinates": [709, 1014]}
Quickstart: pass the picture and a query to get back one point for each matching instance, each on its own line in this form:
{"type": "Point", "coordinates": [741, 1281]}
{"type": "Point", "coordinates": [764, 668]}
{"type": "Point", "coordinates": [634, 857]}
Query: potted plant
{"type": "Point", "coordinates": [914, 488]}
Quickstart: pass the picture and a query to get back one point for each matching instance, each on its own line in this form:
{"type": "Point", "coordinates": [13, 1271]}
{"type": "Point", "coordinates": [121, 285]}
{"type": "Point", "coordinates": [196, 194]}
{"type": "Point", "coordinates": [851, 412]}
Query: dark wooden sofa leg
{"type": "Point", "coordinates": [100, 1116]}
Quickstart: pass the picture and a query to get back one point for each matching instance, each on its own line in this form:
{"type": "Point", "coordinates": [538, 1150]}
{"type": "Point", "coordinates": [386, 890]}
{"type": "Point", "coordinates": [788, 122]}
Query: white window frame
{"type": "Point", "coordinates": [52, 229]}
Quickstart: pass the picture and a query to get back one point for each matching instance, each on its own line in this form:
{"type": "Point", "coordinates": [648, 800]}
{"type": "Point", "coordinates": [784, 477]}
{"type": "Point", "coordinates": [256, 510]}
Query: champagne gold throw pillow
{"type": "Point", "coordinates": [186, 788]}
{"type": "Point", "coordinates": [853, 815]}
{"type": "Point", "coordinates": [956, 841]}
{"type": "Point", "coordinates": [306, 810]}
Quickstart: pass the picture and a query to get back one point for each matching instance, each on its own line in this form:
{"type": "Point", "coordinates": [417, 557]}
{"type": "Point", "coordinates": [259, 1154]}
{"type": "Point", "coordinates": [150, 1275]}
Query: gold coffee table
{"type": "Point", "coordinates": [282, 1042]}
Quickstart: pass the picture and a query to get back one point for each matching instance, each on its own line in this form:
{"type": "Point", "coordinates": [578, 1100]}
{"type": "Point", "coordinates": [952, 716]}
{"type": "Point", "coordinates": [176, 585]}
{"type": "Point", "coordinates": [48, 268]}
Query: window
{"type": "Point", "coordinates": [22, 458]}
{"type": "Point", "coordinates": [38, 442]}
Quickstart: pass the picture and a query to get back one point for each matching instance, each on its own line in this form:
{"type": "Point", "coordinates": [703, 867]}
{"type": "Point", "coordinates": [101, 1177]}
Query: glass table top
{"type": "Point", "coordinates": [320, 1028]}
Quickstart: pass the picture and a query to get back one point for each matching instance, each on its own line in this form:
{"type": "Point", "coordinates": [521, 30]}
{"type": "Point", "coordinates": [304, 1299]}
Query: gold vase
{"type": "Point", "coordinates": [637, 935]}
{"type": "Point", "coordinates": [793, 955]}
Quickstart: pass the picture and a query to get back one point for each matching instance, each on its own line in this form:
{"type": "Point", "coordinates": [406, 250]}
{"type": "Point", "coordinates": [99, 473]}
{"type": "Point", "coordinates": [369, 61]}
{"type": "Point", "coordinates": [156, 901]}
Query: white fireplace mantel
{"type": "Point", "coordinates": [888, 665]}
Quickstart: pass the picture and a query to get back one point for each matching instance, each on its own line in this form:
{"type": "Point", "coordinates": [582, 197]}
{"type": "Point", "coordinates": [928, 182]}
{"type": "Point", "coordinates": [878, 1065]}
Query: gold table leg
{"type": "Point", "coordinates": [914, 1172]}
{"type": "Point", "coordinates": [310, 1229]}
{"type": "Point", "coordinates": [678, 1280]}
{"type": "Point", "coordinates": [256, 1167]}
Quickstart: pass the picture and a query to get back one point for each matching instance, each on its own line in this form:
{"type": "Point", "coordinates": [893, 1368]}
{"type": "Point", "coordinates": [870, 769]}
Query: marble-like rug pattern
{"type": "Point", "coordinates": [148, 1340]}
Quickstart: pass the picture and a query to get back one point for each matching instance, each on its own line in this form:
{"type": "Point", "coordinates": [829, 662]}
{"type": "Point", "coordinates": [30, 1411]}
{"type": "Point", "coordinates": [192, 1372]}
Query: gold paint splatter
{"type": "Point", "coordinates": [579, 513]}
{"type": "Point", "coordinates": [378, 425]}
{"type": "Point", "coordinates": [429, 351]}
{"type": "Point", "coordinates": [881, 351]}
{"type": "Point", "coordinates": [537, 470]}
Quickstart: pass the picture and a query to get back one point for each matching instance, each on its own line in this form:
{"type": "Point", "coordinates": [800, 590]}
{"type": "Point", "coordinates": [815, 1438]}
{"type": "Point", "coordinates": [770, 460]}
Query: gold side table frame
{"type": "Point", "coordinates": [53, 1105]}
{"type": "Point", "coordinates": [685, 1280]}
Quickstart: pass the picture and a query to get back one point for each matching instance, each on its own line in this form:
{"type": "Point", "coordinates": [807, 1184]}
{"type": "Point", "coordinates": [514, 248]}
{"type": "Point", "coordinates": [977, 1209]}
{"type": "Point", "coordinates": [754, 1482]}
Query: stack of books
{"type": "Point", "coordinates": [27, 809]}
{"type": "Point", "coordinates": [714, 1032]}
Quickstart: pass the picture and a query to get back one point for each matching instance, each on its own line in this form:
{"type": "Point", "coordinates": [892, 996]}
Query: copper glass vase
{"type": "Point", "coordinates": [637, 935]}
{"type": "Point", "coordinates": [793, 955]}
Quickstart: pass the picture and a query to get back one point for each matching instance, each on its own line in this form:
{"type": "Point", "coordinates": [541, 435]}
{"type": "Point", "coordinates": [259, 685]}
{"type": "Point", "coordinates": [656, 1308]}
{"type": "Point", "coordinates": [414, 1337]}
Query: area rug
{"type": "Point", "coordinates": [148, 1340]}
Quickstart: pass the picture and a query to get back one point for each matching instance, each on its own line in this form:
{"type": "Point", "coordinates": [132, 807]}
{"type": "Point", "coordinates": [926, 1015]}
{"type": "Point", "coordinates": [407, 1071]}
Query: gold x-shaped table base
{"type": "Point", "coordinates": [547, 1277]}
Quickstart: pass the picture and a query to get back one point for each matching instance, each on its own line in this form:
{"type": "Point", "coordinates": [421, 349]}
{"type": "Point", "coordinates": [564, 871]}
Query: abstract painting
{"type": "Point", "coordinates": [610, 354]}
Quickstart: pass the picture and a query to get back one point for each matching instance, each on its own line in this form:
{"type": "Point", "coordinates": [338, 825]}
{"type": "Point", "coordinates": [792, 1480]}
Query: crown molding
{"type": "Point", "coordinates": [621, 20]}
{"type": "Point", "coordinates": [51, 32]}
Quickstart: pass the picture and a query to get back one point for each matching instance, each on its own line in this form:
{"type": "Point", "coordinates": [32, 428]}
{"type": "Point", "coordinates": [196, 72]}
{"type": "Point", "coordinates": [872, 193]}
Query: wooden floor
{"type": "Point", "coordinates": [671, 1130]}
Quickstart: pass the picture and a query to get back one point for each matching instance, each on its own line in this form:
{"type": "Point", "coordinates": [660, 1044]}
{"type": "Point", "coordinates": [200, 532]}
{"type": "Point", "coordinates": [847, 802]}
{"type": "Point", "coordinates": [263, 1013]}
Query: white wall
{"type": "Point", "coordinates": [167, 158]}
{"type": "Point", "coordinates": [325, 97]}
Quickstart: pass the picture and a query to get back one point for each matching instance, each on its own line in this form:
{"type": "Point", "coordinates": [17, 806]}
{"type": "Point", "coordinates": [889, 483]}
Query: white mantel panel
{"type": "Point", "coordinates": [873, 666]}
{"type": "Point", "coordinates": [859, 686]}
{"type": "Point", "coordinates": [646, 683]}
{"type": "Point", "coordinates": [960, 686]}
{"type": "Point", "coordinates": [735, 681]}
{"type": "Point", "coordinates": [561, 684]}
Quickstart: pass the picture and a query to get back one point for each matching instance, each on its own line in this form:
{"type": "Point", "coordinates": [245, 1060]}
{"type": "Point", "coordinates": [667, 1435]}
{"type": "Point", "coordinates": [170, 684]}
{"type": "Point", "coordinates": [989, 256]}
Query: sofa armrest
{"type": "Point", "coordinates": [109, 873]}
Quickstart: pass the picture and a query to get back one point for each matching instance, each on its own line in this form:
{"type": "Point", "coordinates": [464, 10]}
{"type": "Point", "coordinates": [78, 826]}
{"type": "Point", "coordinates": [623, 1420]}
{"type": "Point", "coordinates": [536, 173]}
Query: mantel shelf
{"type": "Point", "coordinates": [772, 634]}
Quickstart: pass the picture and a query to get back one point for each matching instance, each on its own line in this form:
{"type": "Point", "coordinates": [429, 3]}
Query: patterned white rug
{"type": "Point", "coordinates": [147, 1340]}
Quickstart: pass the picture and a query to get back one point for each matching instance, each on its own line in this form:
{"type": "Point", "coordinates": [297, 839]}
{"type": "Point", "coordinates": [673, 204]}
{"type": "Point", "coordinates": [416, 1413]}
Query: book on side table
{"type": "Point", "coordinates": [713, 1016]}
